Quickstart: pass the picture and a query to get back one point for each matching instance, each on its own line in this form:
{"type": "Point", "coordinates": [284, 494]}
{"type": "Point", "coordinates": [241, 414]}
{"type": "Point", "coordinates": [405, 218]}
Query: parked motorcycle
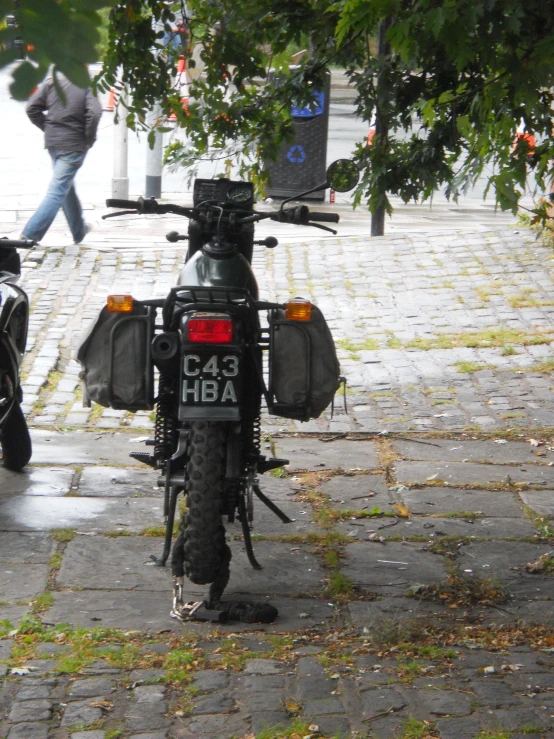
{"type": "Point", "coordinates": [14, 318]}
{"type": "Point", "coordinates": [209, 351]}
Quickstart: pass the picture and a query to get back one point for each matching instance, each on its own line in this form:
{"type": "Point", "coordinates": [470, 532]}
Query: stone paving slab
{"type": "Point", "coordinates": [436, 527]}
{"type": "Point", "coordinates": [319, 454]}
{"type": "Point", "coordinates": [22, 581]}
{"type": "Point", "coordinates": [504, 560]}
{"type": "Point", "coordinates": [121, 563]}
{"type": "Point", "coordinates": [358, 492]}
{"type": "Point", "coordinates": [437, 500]}
{"type": "Point", "coordinates": [124, 563]}
{"type": "Point", "coordinates": [84, 447]}
{"type": "Point", "coordinates": [35, 481]}
{"type": "Point", "coordinates": [391, 570]}
{"type": "Point", "coordinates": [370, 614]}
{"type": "Point", "coordinates": [21, 513]}
{"type": "Point", "coordinates": [541, 501]}
{"type": "Point", "coordinates": [117, 482]}
{"type": "Point", "coordinates": [26, 548]}
{"type": "Point", "coordinates": [140, 610]}
{"type": "Point", "coordinates": [459, 450]}
{"type": "Point", "coordinates": [460, 473]}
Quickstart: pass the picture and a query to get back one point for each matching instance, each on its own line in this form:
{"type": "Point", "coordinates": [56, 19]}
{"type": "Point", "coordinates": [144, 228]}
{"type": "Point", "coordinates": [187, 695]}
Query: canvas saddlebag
{"type": "Point", "coordinates": [304, 372]}
{"type": "Point", "coordinates": [115, 355]}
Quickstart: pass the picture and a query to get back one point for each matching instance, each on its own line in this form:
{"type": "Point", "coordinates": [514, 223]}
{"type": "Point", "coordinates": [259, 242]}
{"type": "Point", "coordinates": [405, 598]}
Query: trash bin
{"type": "Point", "coordinates": [301, 163]}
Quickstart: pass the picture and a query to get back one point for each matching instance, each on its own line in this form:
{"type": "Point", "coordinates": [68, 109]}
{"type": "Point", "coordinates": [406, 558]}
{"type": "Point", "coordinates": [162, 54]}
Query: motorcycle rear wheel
{"type": "Point", "coordinates": [15, 440]}
{"type": "Point", "coordinates": [201, 526]}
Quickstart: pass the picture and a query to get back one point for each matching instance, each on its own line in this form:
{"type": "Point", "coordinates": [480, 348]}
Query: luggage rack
{"type": "Point", "coordinates": [186, 298]}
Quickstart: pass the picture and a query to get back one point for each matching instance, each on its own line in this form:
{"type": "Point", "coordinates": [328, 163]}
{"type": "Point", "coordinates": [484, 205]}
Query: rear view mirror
{"type": "Point", "coordinates": [343, 175]}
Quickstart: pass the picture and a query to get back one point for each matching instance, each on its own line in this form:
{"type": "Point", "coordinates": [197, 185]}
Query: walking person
{"type": "Point", "coordinates": [69, 127]}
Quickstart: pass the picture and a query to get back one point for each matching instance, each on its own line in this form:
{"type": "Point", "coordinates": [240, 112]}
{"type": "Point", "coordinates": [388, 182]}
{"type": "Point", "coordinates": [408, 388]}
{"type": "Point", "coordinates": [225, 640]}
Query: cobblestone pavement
{"type": "Point", "coordinates": [407, 608]}
{"type": "Point", "coordinates": [441, 331]}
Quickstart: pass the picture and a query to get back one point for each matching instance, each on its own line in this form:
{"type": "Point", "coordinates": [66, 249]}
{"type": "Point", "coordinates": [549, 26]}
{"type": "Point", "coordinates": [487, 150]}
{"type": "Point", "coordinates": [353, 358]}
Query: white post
{"type": "Point", "coordinates": [120, 181]}
{"type": "Point", "coordinates": [154, 158]}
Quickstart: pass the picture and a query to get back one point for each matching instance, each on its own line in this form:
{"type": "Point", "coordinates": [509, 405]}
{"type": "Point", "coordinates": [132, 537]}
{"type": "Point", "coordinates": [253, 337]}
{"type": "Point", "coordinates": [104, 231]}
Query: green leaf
{"type": "Point", "coordinates": [25, 78]}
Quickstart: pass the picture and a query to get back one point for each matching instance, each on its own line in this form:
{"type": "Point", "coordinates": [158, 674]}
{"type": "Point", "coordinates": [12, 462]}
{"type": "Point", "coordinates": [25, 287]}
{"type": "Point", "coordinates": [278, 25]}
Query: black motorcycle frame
{"type": "Point", "coordinates": [216, 282]}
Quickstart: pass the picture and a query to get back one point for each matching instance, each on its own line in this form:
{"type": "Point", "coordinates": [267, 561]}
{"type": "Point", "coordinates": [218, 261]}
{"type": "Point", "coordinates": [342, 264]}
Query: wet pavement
{"type": "Point", "coordinates": [402, 584]}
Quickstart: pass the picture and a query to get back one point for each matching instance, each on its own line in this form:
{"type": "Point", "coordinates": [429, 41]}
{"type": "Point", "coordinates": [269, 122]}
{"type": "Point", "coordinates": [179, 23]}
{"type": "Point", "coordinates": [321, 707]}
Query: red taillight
{"type": "Point", "coordinates": [210, 330]}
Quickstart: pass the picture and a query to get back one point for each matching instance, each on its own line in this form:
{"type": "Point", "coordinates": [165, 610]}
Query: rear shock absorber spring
{"type": "Point", "coordinates": [251, 432]}
{"type": "Point", "coordinates": [166, 428]}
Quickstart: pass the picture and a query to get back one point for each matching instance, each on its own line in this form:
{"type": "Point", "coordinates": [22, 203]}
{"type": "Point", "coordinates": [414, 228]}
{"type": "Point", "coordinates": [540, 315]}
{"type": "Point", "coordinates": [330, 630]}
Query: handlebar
{"type": "Point", "coordinates": [324, 217]}
{"type": "Point", "coordinates": [111, 203]}
{"type": "Point", "coordinates": [146, 206]}
{"type": "Point", "coordinates": [299, 215]}
{"type": "Point", "coordinates": [17, 243]}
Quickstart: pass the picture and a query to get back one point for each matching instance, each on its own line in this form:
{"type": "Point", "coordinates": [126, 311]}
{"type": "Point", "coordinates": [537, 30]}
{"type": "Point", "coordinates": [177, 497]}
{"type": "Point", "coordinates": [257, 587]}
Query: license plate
{"type": "Point", "coordinates": [210, 380]}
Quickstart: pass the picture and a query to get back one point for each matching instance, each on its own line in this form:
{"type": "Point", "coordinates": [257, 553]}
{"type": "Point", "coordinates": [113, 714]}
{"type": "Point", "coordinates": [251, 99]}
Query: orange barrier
{"type": "Point", "coordinates": [110, 105]}
{"type": "Point", "coordinates": [181, 82]}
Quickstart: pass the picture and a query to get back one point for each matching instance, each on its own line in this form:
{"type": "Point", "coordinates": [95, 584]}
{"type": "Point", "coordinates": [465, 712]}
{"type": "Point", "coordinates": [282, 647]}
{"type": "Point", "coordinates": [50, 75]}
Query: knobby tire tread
{"type": "Point", "coordinates": [202, 527]}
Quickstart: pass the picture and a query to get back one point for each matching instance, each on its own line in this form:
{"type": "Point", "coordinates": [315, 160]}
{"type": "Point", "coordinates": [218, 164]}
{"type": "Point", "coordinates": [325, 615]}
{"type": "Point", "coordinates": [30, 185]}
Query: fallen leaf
{"type": "Point", "coordinates": [401, 510]}
{"type": "Point", "coordinates": [432, 477]}
{"type": "Point", "coordinates": [539, 565]}
{"type": "Point", "coordinates": [25, 670]}
{"type": "Point", "coordinates": [376, 537]}
{"type": "Point", "coordinates": [105, 705]}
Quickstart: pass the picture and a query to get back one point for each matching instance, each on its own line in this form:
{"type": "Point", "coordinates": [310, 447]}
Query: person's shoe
{"type": "Point", "coordinates": [88, 229]}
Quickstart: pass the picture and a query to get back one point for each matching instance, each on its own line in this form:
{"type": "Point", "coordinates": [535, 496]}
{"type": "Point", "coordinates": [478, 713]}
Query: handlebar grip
{"type": "Point", "coordinates": [324, 217]}
{"type": "Point", "coordinates": [111, 203]}
{"type": "Point", "coordinates": [17, 243]}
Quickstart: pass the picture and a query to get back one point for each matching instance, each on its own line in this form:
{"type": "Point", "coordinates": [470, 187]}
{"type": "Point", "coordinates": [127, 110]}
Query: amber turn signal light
{"type": "Point", "coordinates": [298, 310]}
{"type": "Point", "coordinates": [119, 303]}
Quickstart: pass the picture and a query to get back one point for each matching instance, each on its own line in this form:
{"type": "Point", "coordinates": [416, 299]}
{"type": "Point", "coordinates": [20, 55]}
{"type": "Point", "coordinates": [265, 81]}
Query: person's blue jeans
{"type": "Point", "coordinates": [61, 194]}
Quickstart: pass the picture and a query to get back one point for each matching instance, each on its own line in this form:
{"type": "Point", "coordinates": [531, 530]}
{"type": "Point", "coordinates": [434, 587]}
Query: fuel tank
{"type": "Point", "coordinates": [202, 270]}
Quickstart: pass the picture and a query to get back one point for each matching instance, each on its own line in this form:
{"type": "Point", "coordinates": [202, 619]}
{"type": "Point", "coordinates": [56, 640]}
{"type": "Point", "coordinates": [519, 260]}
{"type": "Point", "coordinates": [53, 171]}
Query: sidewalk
{"type": "Point", "coordinates": [415, 584]}
{"type": "Point", "coordinates": [442, 331]}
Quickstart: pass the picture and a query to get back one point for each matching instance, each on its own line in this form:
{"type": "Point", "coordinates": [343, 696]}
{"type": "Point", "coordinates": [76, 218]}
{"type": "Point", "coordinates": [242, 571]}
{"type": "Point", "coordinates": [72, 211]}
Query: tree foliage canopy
{"type": "Point", "coordinates": [457, 78]}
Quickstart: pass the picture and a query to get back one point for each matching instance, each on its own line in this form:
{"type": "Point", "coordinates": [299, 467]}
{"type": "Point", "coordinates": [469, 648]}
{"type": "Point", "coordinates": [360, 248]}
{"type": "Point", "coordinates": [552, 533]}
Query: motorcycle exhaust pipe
{"type": "Point", "coordinates": [165, 352]}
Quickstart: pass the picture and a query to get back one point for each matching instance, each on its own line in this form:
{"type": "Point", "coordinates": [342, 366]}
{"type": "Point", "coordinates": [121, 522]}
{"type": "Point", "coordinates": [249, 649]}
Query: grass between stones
{"type": "Point", "coordinates": [54, 376]}
{"type": "Point", "coordinates": [463, 589]}
{"type": "Point", "coordinates": [486, 339]}
{"type": "Point", "coordinates": [296, 730]}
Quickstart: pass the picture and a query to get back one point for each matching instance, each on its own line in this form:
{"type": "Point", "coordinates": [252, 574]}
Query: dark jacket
{"type": "Point", "coordinates": [69, 126]}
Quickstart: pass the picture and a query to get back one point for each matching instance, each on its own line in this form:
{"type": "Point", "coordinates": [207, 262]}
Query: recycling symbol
{"type": "Point", "coordinates": [296, 154]}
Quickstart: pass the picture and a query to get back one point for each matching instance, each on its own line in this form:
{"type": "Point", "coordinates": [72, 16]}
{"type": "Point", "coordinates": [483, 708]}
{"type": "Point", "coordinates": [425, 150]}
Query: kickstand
{"type": "Point", "coordinates": [271, 505]}
{"type": "Point", "coordinates": [172, 504]}
{"type": "Point", "coordinates": [246, 533]}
